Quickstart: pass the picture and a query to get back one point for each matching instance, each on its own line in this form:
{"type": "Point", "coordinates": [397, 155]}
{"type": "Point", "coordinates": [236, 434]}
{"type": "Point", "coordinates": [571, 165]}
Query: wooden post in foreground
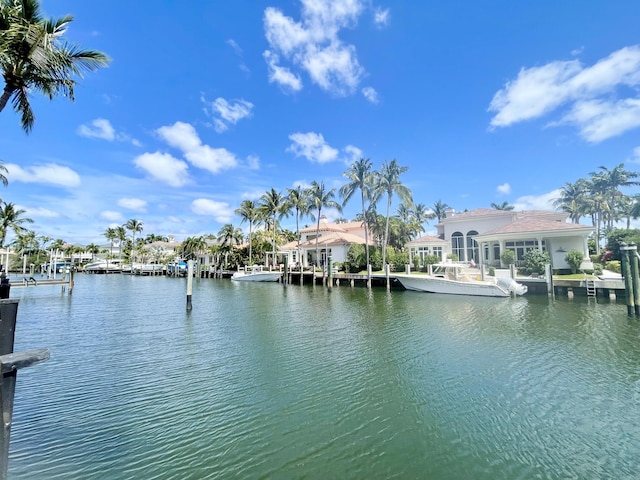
{"type": "Point", "coordinates": [9, 364]}
{"type": "Point", "coordinates": [628, 282]}
{"type": "Point", "coordinates": [329, 273]}
{"type": "Point", "coordinates": [189, 283]}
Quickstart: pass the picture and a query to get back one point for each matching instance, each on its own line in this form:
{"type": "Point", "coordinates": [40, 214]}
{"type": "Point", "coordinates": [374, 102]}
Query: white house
{"type": "Point", "coordinates": [334, 239]}
{"type": "Point", "coordinates": [428, 245]}
{"type": "Point", "coordinates": [483, 234]}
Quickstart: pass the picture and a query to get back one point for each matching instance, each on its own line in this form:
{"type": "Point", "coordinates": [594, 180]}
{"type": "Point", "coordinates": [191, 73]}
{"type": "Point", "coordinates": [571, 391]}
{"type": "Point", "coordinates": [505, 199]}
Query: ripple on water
{"type": "Point", "coordinates": [265, 381]}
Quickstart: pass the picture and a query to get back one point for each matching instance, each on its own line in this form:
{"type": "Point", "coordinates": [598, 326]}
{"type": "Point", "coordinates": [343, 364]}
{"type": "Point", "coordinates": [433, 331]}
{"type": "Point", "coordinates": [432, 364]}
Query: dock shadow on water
{"type": "Point", "coordinates": [262, 381]}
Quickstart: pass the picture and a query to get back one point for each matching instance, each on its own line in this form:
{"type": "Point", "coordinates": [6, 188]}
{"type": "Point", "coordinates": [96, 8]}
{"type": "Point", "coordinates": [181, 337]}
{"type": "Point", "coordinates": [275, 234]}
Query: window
{"type": "Point", "coordinates": [472, 247]}
{"type": "Point", "coordinates": [457, 245]}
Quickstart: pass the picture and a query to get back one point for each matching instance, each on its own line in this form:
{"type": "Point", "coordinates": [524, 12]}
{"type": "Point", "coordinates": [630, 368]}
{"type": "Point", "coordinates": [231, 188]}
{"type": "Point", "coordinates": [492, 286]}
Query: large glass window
{"type": "Point", "coordinates": [457, 245]}
{"type": "Point", "coordinates": [472, 247]}
{"type": "Point", "coordinates": [521, 247]}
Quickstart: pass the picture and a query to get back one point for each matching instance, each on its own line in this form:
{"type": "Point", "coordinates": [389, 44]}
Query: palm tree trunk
{"type": "Point", "coordinates": [386, 234]}
{"type": "Point", "coordinates": [366, 232]}
{"type": "Point", "coordinates": [317, 233]}
{"type": "Point", "coordinates": [6, 95]}
{"type": "Point", "coordinates": [250, 240]}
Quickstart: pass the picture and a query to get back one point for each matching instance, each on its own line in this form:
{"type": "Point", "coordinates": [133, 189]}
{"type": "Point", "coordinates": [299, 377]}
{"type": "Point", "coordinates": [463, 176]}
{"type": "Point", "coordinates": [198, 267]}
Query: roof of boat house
{"type": "Point", "coordinates": [491, 212]}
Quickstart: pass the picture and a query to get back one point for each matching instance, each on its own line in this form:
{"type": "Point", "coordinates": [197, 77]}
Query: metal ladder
{"type": "Point", "coordinates": [591, 287]}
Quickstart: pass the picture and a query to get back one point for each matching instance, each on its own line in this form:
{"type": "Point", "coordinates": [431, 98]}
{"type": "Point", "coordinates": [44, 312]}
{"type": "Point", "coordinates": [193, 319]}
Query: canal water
{"type": "Point", "coordinates": [266, 381]}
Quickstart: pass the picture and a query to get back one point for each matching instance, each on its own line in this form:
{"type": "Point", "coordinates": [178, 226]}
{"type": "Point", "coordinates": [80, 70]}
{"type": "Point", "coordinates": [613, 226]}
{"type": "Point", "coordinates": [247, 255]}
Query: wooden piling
{"type": "Point", "coordinates": [189, 283]}
{"type": "Point", "coordinates": [329, 273]}
{"type": "Point", "coordinates": [628, 281]}
{"type": "Point", "coordinates": [635, 278]}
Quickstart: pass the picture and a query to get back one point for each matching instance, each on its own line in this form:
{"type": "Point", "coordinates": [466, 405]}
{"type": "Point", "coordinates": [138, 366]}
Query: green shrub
{"type": "Point", "coordinates": [416, 262]}
{"type": "Point", "coordinates": [508, 257]}
{"type": "Point", "coordinates": [613, 265]}
{"type": "Point", "coordinates": [492, 271]}
{"type": "Point", "coordinates": [453, 257]}
{"type": "Point", "coordinates": [535, 261]}
{"type": "Point", "coordinates": [574, 259]}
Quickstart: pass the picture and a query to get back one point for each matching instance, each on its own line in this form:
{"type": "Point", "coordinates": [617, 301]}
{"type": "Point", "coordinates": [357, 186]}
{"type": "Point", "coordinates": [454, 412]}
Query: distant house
{"type": "Point", "coordinates": [334, 239]}
{"type": "Point", "coordinates": [483, 234]}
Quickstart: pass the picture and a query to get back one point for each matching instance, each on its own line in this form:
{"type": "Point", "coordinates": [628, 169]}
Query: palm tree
{"type": "Point", "coordinates": [121, 236]}
{"type": "Point", "coordinates": [388, 181]}
{"type": "Point", "coordinates": [502, 206]}
{"type": "Point", "coordinates": [273, 206]}
{"type": "Point", "coordinates": [134, 226]}
{"type": "Point", "coordinates": [229, 236]}
{"type": "Point", "coordinates": [360, 178]}
{"type": "Point", "coordinates": [421, 215]}
{"type": "Point", "coordinates": [248, 211]}
{"type": "Point", "coordinates": [93, 249]}
{"type": "Point", "coordinates": [11, 218]}
{"type": "Point", "coordinates": [34, 57]}
{"type": "Point", "coordinates": [3, 179]}
{"type": "Point", "coordinates": [440, 210]}
{"type": "Point", "coordinates": [298, 200]}
{"type": "Point", "coordinates": [110, 234]}
{"type": "Point", "coordinates": [573, 200]}
{"type": "Point", "coordinates": [192, 246]}
{"type": "Point", "coordinates": [320, 198]}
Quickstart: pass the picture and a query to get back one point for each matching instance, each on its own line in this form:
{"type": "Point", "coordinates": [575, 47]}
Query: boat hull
{"type": "Point", "coordinates": [431, 284]}
{"type": "Point", "coordinates": [256, 277]}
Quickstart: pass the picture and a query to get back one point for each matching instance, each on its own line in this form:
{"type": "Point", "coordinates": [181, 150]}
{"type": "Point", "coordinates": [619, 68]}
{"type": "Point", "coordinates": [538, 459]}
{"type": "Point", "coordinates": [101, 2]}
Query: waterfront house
{"type": "Point", "coordinates": [428, 245]}
{"type": "Point", "coordinates": [334, 239]}
{"type": "Point", "coordinates": [483, 234]}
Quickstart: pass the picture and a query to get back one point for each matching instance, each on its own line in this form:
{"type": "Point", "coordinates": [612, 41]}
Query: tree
{"type": "Point", "coordinates": [502, 206]}
{"type": "Point", "coordinates": [298, 200]}
{"type": "Point", "coordinates": [11, 219]}
{"type": "Point", "coordinates": [121, 236]}
{"type": "Point", "coordinates": [93, 249]}
{"type": "Point", "coordinates": [573, 200]}
{"type": "Point", "coordinates": [248, 211]}
{"type": "Point", "coordinates": [35, 57]}
{"type": "Point", "coordinates": [134, 226]}
{"type": "Point", "coordinates": [320, 198]}
{"type": "Point", "coordinates": [388, 181]}
{"type": "Point", "coordinates": [361, 178]}
{"type": "Point", "coordinates": [273, 207]}
{"type": "Point", "coordinates": [440, 210]}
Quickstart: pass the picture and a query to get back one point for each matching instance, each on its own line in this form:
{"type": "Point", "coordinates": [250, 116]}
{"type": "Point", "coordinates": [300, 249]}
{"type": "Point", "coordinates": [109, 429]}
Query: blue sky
{"type": "Point", "coordinates": [206, 103]}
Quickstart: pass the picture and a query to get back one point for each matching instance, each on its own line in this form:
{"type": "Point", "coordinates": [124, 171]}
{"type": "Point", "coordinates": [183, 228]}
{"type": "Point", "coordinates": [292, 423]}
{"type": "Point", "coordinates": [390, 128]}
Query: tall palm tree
{"type": "Point", "coordinates": [3, 179]}
{"type": "Point", "coordinates": [298, 200]}
{"type": "Point", "coordinates": [573, 200]}
{"type": "Point", "coordinates": [110, 234]}
{"type": "Point", "coordinates": [11, 219]}
{"type": "Point", "coordinates": [440, 210]}
{"type": "Point", "coordinates": [229, 236]}
{"type": "Point", "coordinates": [93, 249]}
{"type": "Point", "coordinates": [121, 236]}
{"type": "Point", "coordinates": [35, 57]}
{"type": "Point", "coordinates": [388, 181]}
{"type": "Point", "coordinates": [502, 206]}
{"type": "Point", "coordinates": [319, 198]}
{"type": "Point", "coordinates": [360, 175]}
{"type": "Point", "coordinates": [248, 211]}
{"type": "Point", "coordinates": [134, 226]}
{"type": "Point", "coordinates": [421, 215]}
{"type": "Point", "coordinates": [273, 206]}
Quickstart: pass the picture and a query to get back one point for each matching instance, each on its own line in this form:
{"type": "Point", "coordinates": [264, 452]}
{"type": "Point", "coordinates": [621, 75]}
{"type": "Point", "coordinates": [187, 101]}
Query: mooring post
{"type": "Point", "coordinates": [329, 273]}
{"type": "Point", "coordinates": [368, 275]}
{"type": "Point", "coordinates": [285, 277]}
{"type": "Point", "coordinates": [9, 364]}
{"type": "Point", "coordinates": [628, 282]}
{"type": "Point", "coordinates": [386, 272]}
{"type": "Point", "coordinates": [635, 279]}
{"type": "Point", "coordinates": [189, 283]}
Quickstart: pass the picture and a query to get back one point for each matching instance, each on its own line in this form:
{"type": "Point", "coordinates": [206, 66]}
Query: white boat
{"type": "Point", "coordinates": [256, 274]}
{"type": "Point", "coordinates": [453, 279]}
{"type": "Point", "coordinates": [102, 266]}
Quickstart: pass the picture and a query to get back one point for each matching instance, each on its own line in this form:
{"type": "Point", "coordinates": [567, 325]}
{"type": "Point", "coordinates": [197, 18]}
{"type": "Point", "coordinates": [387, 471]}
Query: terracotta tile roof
{"type": "Point", "coordinates": [532, 225]}
{"type": "Point", "coordinates": [427, 239]}
{"type": "Point", "coordinates": [335, 239]}
{"type": "Point", "coordinates": [324, 227]}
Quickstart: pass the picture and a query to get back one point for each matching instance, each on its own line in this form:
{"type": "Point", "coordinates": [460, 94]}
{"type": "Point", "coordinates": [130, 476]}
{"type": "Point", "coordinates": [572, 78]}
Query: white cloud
{"type": "Point", "coordinates": [537, 202]}
{"type": "Point", "coordinates": [253, 162]}
{"type": "Point", "coordinates": [281, 75]}
{"type": "Point", "coordinates": [185, 138]}
{"type": "Point", "coordinates": [595, 103]}
{"type": "Point", "coordinates": [229, 113]}
{"type": "Point", "coordinates": [219, 210]}
{"type": "Point", "coordinates": [370, 94]}
{"type": "Point", "coordinates": [381, 17]}
{"type": "Point", "coordinates": [353, 154]}
{"type": "Point", "coordinates": [111, 216]}
{"type": "Point", "coordinates": [49, 173]}
{"type": "Point", "coordinates": [164, 168]}
{"type": "Point", "coordinates": [504, 189]}
{"type": "Point", "coordinates": [135, 204]}
{"type": "Point", "coordinates": [635, 157]}
{"type": "Point", "coordinates": [101, 128]}
{"type": "Point", "coordinates": [313, 45]}
{"type": "Point", "coordinates": [40, 212]}
{"type": "Point", "coordinates": [313, 147]}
